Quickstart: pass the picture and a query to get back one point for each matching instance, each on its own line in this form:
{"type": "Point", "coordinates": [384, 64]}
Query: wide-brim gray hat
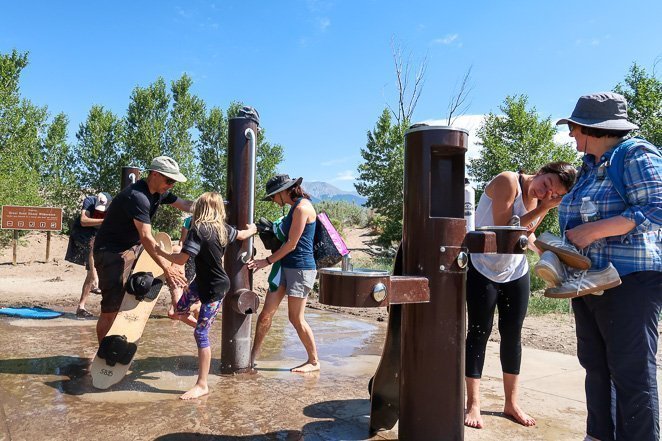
{"type": "Point", "coordinates": [603, 110]}
{"type": "Point", "coordinates": [278, 183]}
{"type": "Point", "coordinates": [167, 167]}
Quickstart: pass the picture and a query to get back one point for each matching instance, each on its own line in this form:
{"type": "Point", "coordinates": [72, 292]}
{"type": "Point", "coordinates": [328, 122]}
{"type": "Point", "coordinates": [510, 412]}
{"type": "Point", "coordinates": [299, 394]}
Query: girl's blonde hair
{"type": "Point", "coordinates": [209, 210]}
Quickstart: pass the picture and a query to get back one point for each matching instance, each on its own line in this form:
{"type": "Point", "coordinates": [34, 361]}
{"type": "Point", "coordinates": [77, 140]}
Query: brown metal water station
{"type": "Point", "coordinates": [241, 301]}
{"type": "Point", "coordinates": [420, 378]}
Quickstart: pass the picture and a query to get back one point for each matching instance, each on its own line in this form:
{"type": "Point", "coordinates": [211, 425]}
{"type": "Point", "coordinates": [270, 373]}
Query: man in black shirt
{"type": "Point", "coordinates": [126, 227]}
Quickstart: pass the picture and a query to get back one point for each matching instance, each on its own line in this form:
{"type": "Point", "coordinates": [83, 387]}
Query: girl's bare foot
{"type": "Point", "coordinates": [513, 411]}
{"type": "Point", "coordinates": [307, 367]}
{"type": "Point", "coordinates": [473, 418]}
{"type": "Point", "coordinates": [196, 391]}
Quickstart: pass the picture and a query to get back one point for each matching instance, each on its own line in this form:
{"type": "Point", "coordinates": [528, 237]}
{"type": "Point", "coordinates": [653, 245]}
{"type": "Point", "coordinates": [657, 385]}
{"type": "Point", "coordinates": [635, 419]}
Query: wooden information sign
{"type": "Point", "coordinates": [31, 218]}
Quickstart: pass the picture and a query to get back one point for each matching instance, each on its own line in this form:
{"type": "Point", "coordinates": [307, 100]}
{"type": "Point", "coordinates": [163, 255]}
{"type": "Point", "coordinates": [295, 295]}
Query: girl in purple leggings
{"type": "Point", "coordinates": [206, 242]}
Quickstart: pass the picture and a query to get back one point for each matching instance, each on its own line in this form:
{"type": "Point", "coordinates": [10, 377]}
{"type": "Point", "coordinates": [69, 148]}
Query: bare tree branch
{"type": "Point", "coordinates": [406, 101]}
{"type": "Point", "coordinates": [458, 105]}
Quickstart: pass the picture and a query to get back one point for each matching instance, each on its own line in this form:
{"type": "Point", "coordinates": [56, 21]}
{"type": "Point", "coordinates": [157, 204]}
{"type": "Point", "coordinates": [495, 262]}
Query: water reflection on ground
{"type": "Point", "coordinates": [46, 391]}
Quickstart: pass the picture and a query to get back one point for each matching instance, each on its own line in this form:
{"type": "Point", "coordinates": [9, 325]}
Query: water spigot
{"type": "Point", "coordinates": [347, 262]}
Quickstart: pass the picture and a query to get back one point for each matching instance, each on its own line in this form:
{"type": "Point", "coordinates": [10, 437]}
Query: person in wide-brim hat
{"type": "Point", "coordinates": [603, 110]}
{"type": "Point", "coordinates": [278, 183]}
{"type": "Point", "coordinates": [617, 331]}
{"type": "Point", "coordinates": [297, 267]}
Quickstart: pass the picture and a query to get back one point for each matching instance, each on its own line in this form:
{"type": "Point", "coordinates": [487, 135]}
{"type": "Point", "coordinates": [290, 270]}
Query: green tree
{"type": "Point", "coordinates": [517, 139]}
{"type": "Point", "coordinates": [187, 110]}
{"type": "Point", "coordinates": [213, 150]}
{"type": "Point", "coordinates": [21, 124]}
{"type": "Point", "coordinates": [157, 126]}
{"type": "Point", "coordinates": [58, 179]}
{"type": "Point", "coordinates": [100, 151]}
{"type": "Point", "coordinates": [146, 121]}
{"type": "Point", "coordinates": [381, 175]}
{"type": "Point", "coordinates": [643, 93]}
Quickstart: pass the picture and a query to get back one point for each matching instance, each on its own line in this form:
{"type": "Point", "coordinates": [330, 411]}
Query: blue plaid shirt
{"type": "Point", "coordinates": [639, 249]}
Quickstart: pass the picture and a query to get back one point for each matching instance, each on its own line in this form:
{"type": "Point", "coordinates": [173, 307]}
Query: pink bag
{"type": "Point", "coordinates": [328, 246]}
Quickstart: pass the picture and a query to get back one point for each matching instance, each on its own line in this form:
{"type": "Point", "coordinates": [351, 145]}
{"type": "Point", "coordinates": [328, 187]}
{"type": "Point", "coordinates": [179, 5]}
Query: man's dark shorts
{"type": "Point", "coordinates": [114, 268]}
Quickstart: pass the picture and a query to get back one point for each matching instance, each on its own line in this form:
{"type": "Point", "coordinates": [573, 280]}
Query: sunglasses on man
{"type": "Point", "coordinates": [168, 180]}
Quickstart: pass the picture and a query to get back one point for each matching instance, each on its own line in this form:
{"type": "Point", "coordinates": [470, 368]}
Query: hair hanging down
{"type": "Point", "coordinates": [567, 173]}
{"type": "Point", "coordinates": [601, 133]}
{"type": "Point", "coordinates": [297, 192]}
{"type": "Point", "coordinates": [209, 210]}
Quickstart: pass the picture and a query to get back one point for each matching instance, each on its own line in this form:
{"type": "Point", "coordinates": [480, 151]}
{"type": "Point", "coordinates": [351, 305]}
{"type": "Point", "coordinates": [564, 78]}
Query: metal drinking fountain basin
{"type": "Point", "coordinates": [363, 288]}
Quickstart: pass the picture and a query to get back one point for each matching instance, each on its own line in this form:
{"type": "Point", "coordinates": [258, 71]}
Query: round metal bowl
{"type": "Point", "coordinates": [355, 272]}
{"type": "Point", "coordinates": [501, 228]}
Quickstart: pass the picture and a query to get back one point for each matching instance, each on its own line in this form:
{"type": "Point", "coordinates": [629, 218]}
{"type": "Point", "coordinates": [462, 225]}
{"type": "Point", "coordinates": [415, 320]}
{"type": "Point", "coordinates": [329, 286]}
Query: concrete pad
{"type": "Point", "coordinates": [46, 393]}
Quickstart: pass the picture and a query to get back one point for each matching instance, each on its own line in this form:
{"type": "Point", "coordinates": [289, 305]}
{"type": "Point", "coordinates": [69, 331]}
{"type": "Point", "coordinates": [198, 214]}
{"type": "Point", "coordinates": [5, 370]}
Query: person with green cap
{"type": "Point", "coordinates": [126, 228]}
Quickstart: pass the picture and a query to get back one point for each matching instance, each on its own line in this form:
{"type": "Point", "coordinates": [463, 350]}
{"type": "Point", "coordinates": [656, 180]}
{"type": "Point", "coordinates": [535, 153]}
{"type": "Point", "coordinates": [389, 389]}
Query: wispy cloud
{"type": "Point", "coordinates": [346, 175]}
{"type": "Point", "coordinates": [335, 161]}
{"type": "Point", "coordinates": [448, 39]}
{"type": "Point", "coordinates": [323, 23]}
{"type": "Point", "coordinates": [592, 41]}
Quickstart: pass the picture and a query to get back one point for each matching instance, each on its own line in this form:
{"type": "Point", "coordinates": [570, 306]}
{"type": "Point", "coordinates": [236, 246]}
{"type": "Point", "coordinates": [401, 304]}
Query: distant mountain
{"type": "Point", "coordinates": [323, 191]}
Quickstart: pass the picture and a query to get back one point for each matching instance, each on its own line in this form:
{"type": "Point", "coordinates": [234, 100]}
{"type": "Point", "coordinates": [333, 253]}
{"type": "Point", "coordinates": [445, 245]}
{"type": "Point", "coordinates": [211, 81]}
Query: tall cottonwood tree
{"type": "Point", "coordinates": [159, 123]}
{"type": "Point", "coordinates": [100, 151]}
{"type": "Point", "coordinates": [58, 179]}
{"type": "Point", "coordinates": [381, 176]}
{"type": "Point", "coordinates": [185, 113]}
{"type": "Point", "coordinates": [643, 92]}
{"type": "Point", "coordinates": [21, 124]}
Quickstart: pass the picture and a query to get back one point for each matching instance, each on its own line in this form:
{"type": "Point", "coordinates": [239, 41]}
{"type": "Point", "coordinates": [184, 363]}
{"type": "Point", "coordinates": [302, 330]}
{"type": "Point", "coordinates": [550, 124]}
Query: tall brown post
{"type": "Point", "coordinates": [240, 300]}
{"type": "Point", "coordinates": [432, 358]}
{"type": "Point", "coordinates": [130, 175]}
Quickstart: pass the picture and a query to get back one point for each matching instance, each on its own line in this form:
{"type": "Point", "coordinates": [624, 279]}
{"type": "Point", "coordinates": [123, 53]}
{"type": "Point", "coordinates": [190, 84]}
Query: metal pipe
{"type": "Point", "coordinates": [252, 147]}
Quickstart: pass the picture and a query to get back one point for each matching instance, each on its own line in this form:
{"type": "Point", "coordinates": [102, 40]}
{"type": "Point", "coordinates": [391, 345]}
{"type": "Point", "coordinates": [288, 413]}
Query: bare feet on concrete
{"type": "Point", "coordinates": [513, 411]}
{"type": "Point", "coordinates": [308, 366]}
{"type": "Point", "coordinates": [196, 392]}
{"type": "Point", "coordinates": [473, 418]}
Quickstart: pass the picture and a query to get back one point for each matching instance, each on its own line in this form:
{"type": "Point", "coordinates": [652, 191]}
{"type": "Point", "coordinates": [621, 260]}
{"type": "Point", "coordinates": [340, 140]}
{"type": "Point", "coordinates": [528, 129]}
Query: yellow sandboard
{"type": "Point", "coordinates": [131, 319]}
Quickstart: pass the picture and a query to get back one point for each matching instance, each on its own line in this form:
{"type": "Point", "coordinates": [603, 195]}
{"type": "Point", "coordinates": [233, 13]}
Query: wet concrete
{"type": "Point", "coordinates": [46, 392]}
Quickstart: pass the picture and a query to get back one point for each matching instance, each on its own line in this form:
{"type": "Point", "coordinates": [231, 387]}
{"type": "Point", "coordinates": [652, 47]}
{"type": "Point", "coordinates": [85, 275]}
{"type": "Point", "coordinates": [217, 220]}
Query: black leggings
{"type": "Point", "coordinates": [512, 299]}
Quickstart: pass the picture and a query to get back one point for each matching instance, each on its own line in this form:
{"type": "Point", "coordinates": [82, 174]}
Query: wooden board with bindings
{"type": "Point", "coordinates": [118, 348]}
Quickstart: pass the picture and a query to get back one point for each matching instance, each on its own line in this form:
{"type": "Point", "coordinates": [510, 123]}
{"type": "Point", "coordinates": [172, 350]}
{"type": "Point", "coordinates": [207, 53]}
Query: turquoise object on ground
{"type": "Point", "coordinates": [33, 312]}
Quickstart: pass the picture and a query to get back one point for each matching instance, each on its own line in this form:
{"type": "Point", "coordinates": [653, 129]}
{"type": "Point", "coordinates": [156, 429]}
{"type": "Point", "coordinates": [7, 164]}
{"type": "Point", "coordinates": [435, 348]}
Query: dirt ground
{"type": "Point", "coordinates": [57, 284]}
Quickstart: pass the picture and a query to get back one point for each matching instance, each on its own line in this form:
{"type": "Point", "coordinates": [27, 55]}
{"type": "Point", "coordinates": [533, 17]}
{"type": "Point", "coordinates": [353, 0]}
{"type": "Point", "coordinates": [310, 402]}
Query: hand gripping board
{"type": "Point", "coordinates": [119, 346]}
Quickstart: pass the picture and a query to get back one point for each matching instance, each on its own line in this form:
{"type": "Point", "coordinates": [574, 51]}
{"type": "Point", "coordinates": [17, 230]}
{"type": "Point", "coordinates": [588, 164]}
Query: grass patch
{"type": "Point", "coordinates": [541, 305]}
{"type": "Point", "coordinates": [376, 263]}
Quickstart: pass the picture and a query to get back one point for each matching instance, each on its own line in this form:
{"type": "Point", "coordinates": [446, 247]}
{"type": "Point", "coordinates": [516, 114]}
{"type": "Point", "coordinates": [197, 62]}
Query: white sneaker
{"type": "Point", "coordinates": [566, 251]}
{"type": "Point", "coordinates": [586, 282]}
{"type": "Point", "coordinates": [550, 269]}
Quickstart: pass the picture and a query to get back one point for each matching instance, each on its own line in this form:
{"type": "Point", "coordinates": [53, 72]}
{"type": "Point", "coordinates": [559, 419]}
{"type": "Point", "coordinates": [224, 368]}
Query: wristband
{"type": "Point", "coordinates": [267, 259]}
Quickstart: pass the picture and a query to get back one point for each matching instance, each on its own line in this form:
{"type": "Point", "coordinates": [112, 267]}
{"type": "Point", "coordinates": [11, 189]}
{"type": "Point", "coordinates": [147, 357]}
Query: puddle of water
{"type": "Point", "coordinates": [46, 390]}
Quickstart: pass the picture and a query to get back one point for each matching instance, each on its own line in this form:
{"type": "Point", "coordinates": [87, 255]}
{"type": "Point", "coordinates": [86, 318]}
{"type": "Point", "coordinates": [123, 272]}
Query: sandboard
{"type": "Point", "coordinates": [33, 312]}
{"type": "Point", "coordinates": [130, 322]}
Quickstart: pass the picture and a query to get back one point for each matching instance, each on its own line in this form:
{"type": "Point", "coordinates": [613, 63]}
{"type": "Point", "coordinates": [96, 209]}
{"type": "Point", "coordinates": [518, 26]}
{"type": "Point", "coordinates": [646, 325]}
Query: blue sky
{"type": "Point", "coordinates": [321, 72]}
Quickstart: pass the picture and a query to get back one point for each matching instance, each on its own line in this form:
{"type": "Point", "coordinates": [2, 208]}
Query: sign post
{"type": "Point", "coordinates": [31, 218]}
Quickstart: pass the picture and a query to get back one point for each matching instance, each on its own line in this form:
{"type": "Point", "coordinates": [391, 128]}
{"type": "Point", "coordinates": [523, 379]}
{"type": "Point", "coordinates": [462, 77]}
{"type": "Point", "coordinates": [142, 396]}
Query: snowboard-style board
{"type": "Point", "coordinates": [34, 312]}
{"type": "Point", "coordinates": [129, 323]}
